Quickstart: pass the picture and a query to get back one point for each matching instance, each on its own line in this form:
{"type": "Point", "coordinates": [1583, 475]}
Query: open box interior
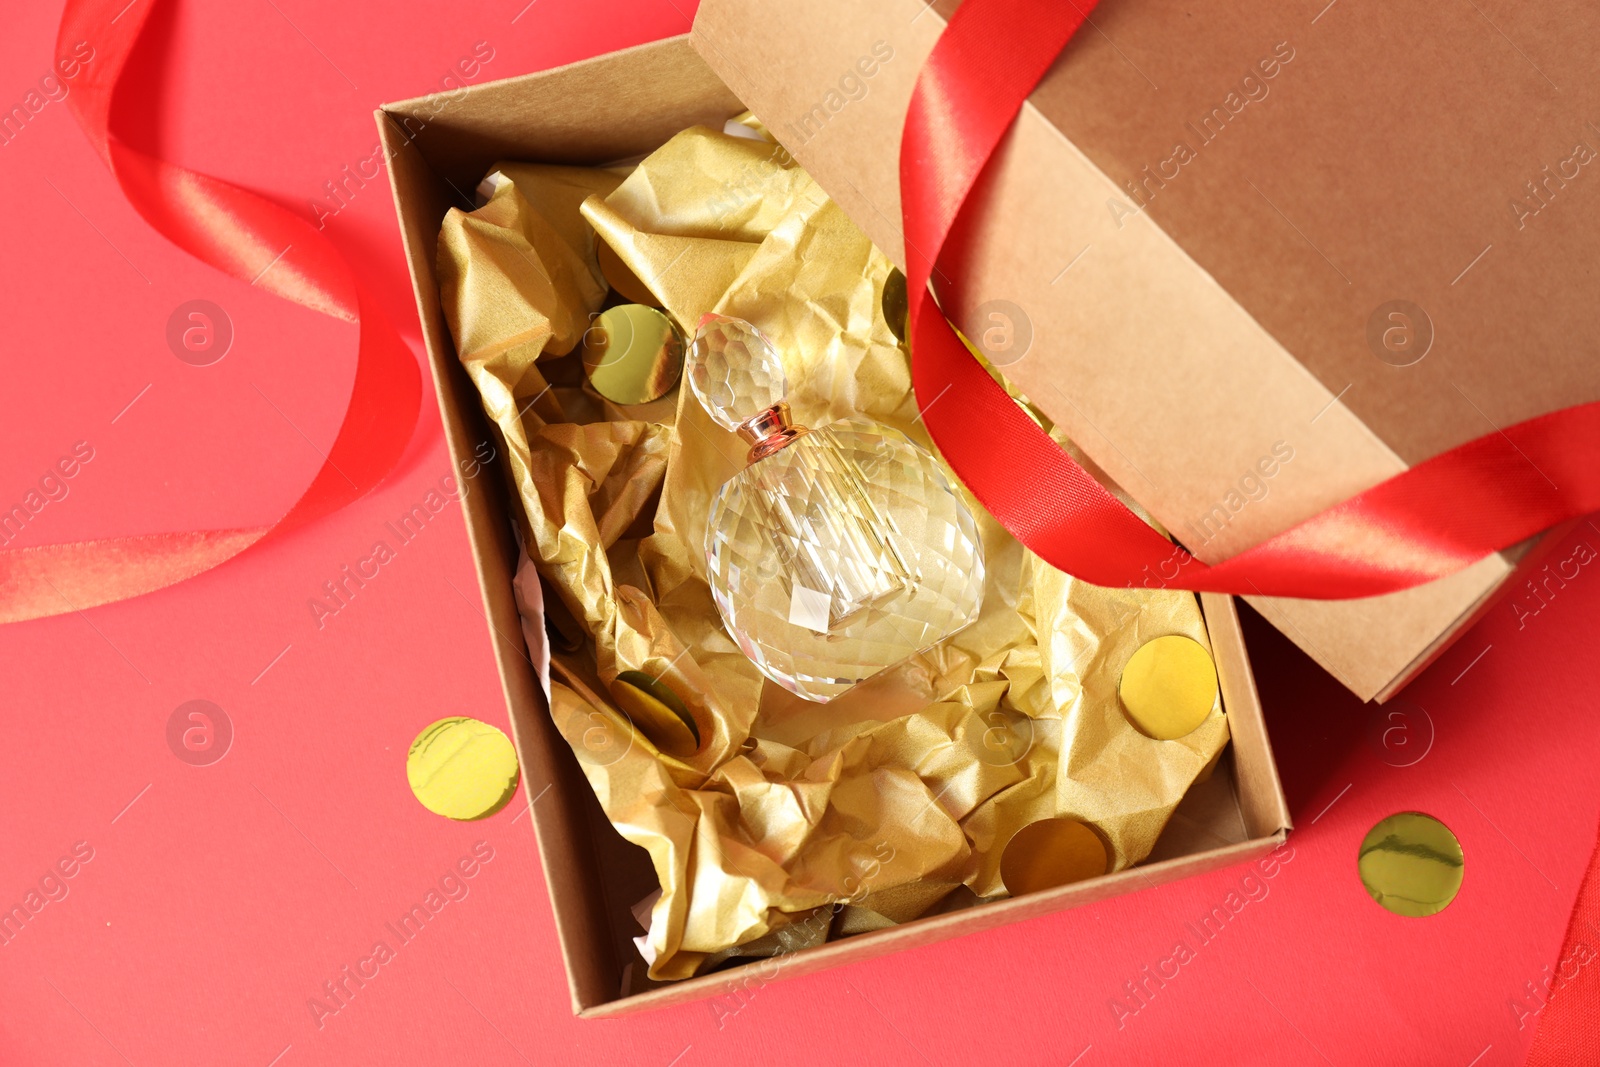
{"type": "Point", "coordinates": [614, 107]}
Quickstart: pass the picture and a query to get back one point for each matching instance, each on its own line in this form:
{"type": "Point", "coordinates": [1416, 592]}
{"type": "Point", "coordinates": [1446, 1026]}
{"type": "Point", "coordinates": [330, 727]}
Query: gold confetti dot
{"type": "Point", "coordinates": [1169, 687]}
{"type": "Point", "coordinates": [1050, 853]}
{"type": "Point", "coordinates": [1411, 864]}
{"type": "Point", "coordinates": [462, 768]}
{"type": "Point", "coordinates": [658, 713]}
{"type": "Point", "coordinates": [896, 304]}
{"type": "Point", "coordinates": [633, 354]}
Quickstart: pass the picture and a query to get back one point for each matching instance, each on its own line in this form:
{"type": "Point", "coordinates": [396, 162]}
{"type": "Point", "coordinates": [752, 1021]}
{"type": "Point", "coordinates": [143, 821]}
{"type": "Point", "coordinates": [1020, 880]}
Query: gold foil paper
{"type": "Point", "coordinates": [792, 821]}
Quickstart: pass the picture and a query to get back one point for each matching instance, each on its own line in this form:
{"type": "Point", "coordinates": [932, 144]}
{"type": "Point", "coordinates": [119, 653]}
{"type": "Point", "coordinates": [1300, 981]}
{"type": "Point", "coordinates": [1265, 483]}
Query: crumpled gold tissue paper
{"type": "Point", "coordinates": [794, 821]}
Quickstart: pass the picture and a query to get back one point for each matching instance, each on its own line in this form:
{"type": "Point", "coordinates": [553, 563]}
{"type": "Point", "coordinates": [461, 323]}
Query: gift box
{"type": "Point", "coordinates": [1254, 261]}
{"type": "Point", "coordinates": [618, 107]}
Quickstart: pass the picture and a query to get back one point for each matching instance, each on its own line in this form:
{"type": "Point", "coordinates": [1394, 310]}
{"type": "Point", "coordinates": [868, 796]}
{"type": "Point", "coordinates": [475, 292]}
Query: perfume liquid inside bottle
{"type": "Point", "coordinates": [839, 551]}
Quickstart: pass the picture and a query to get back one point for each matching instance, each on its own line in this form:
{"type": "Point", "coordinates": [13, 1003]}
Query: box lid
{"type": "Point", "coordinates": [1257, 234]}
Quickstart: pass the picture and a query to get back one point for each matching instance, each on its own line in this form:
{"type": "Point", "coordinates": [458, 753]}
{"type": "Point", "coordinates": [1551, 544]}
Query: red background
{"type": "Point", "coordinates": [223, 897]}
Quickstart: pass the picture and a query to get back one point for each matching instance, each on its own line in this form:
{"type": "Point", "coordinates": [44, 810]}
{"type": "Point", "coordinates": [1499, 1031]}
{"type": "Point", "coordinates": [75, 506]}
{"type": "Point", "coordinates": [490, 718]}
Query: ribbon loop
{"type": "Point", "coordinates": [259, 243]}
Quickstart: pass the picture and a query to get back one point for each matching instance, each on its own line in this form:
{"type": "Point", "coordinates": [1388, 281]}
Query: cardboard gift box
{"type": "Point", "coordinates": [615, 107]}
{"type": "Point", "coordinates": [1268, 256]}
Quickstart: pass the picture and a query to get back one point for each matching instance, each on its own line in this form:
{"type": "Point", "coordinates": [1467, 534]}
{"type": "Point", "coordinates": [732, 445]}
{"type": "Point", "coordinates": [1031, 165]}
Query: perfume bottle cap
{"type": "Point", "coordinates": [734, 371]}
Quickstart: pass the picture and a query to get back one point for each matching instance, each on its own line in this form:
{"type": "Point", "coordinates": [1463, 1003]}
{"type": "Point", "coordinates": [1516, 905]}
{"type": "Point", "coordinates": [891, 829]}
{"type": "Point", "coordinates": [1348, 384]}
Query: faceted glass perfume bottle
{"type": "Point", "coordinates": [838, 551]}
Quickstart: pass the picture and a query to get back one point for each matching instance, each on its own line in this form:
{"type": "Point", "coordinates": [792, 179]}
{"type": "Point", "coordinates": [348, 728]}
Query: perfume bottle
{"type": "Point", "coordinates": [838, 551]}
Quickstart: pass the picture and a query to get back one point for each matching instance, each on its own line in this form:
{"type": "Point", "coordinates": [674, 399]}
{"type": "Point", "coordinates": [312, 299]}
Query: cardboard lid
{"type": "Point", "coordinates": [1229, 232]}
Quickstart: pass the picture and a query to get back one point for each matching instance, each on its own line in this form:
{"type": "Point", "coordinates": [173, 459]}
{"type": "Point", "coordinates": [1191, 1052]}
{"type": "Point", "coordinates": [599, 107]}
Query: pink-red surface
{"type": "Point", "coordinates": [219, 899]}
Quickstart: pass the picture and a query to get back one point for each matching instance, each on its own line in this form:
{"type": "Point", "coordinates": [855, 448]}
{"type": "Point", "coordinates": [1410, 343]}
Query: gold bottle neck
{"type": "Point", "coordinates": [768, 431]}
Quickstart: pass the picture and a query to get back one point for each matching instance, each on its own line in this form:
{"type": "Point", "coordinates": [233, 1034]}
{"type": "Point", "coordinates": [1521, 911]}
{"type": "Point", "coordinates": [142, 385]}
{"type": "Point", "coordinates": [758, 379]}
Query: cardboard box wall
{"type": "Point", "coordinates": [613, 107]}
{"type": "Point", "coordinates": [1190, 318]}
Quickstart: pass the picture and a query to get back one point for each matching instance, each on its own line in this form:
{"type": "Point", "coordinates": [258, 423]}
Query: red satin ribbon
{"type": "Point", "coordinates": [1434, 519]}
{"type": "Point", "coordinates": [1425, 523]}
{"type": "Point", "coordinates": [257, 242]}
